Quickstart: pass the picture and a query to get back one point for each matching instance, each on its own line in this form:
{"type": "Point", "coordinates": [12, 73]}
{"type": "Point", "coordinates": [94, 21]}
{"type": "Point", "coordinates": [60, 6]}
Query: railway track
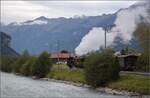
{"type": "Point", "coordinates": [135, 73]}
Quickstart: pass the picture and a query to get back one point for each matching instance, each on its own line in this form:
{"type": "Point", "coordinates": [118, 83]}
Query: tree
{"type": "Point", "coordinates": [42, 66]}
{"type": "Point", "coordinates": [143, 34]}
{"type": "Point", "coordinates": [71, 62]}
{"type": "Point", "coordinates": [100, 68]}
{"type": "Point", "coordinates": [6, 63]}
{"type": "Point", "coordinates": [31, 65]}
{"type": "Point", "coordinates": [27, 67]}
{"type": "Point", "coordinates": [21, 60]}
{"type": "Point", "coordinates": [80, 62]}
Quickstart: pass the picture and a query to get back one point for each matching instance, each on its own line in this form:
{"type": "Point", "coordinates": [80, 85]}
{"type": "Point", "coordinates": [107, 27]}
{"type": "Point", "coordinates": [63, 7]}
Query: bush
{"type": "Point", "coordinates": [31, 63]}
{"type": "Point", "coordinates": [20, 62]}
{"type": "Point", "coordinates": [100, 68]}
{"type": "Point", "coordinates": [143, 62]}
{"type": "Point", "coordinates": [42, 66]}
{"type": "Point", "coordinates": [27, 67]}
{"type": "Point", "coordinates": [142, 33]}
{"type": "Point", "coordinates": [80, 62]}
{"type": "Point", "coordinates": [6, 63]}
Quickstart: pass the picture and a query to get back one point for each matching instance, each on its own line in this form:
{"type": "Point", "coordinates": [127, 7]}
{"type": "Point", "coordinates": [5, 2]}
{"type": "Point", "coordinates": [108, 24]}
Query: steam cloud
{"type": "Point", "coordinates": [126, 23]}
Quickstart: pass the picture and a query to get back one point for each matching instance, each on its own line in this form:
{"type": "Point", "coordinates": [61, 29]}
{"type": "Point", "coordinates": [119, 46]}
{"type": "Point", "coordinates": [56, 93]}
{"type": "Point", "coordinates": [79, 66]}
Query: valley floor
{"type": "Point", "coordinates": [133, 83]}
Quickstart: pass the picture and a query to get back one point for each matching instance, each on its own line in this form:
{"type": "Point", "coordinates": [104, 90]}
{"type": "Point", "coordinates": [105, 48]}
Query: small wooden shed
{"type": "Point", "coordinates": [128, 61]}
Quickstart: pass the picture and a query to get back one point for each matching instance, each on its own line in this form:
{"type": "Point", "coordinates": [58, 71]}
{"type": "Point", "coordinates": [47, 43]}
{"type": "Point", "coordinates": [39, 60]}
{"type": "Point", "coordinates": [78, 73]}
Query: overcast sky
{"type": "Point", "coordinates": [27, 10]}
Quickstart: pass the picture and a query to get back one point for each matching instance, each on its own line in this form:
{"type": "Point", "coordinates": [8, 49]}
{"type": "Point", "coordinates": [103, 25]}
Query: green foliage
{"type": "Point", "coordinates": [6, 63]}
{"type": "Point", "coordinates": [80, 62]}
{"type": "Point", "coordinates": [71, 62]}
{"type": "Point", "coordinates": [129, 50]}
{"type": "Point", "coordinates": [27, 67]}
{"type": "Point", "coordinates": [32, 64]}
{"type": "Point", "coordinates": [143, 63]}
{"type": "Point", "coordinates": [143, 34]}
{"type": "Point", "coordinates": [132, 83]}
{"type": "Point", "coordinates": [62, 72]}
{"type": "Point", "coordinates": [42, 66]}
{"type": "Point", "coordinates": [100, 68]}
{"type": "Point", "coordinates": [21, 61]}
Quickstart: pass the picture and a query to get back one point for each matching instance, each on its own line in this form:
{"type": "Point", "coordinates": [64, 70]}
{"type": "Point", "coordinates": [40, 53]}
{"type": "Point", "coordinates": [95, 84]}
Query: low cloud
{"type": "Point", "coordinates": [126, 23]}
{"type": "Point", "coordinates": [26, 10]}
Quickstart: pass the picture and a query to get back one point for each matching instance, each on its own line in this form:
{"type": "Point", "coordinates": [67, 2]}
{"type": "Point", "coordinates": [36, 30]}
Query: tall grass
{"type": "Point", "coordinates": [133, 83]}
{"type": "Point", "coordinates": [62, 72]}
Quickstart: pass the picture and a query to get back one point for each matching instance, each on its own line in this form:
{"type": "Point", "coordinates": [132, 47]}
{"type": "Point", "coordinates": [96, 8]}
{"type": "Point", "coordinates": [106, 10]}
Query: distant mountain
{"type": "Point", "coordinates": [53, 34]}
{"type": "Point", "coordinates": [56, 34]}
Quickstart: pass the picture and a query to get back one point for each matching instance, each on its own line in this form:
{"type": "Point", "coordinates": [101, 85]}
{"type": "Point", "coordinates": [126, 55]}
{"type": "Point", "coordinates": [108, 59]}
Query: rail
{"type": "Point", "coordinates": [136, 73]}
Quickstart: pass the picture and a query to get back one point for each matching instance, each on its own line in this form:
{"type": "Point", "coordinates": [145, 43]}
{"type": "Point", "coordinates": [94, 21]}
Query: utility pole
{"type": "Point", "coordinates": [105, 38]}
{"type": "Point", "coordinates": [58, 50]}
{"type": "Point", "coordinates": [50, 48]}
{"type": "Point", "coordinates": [107, 30]}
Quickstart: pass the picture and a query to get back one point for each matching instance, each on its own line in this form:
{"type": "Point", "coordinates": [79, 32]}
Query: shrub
{"type": "Point", "coordinates": [42, 66]}
{"type": "Point", "coordinates": [32, 62]}
{"type": "Point", "coordinates": [143, 62]}
{"type": "Point", "coordinates": [6, 63]}
{"type": "Point", "coordinates": [80, 62]}
{"type": "Point", "coordinates": [27, 67]}
{"type": "Point", "coordinates": [100, 68]}
{"type": "Point", "coordinates": [142, 33]}
{"type": "Point", "coordinates": [71, 62]}
{"type": "Point", "coordinates": [21, 61]}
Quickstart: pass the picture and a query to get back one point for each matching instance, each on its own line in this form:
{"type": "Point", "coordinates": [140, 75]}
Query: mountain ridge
{"type": "Point", "coordinates": [58, 34]}
{"type": "Point", "coordinates": [68, 31]}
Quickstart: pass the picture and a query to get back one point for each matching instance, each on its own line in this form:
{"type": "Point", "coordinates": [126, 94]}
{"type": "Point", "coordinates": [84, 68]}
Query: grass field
{"type": "Point", "coordinates": [62, 72]}
{"type": "Point", "coordinates": [133, 83]}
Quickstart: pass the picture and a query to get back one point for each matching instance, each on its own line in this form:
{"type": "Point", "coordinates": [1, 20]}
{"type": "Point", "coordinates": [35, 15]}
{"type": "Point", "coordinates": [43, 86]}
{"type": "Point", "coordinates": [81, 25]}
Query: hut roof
{"type": "Point", "coordinates": [127, 55]}
{"type": "Point", "coordinates": [62, 55]}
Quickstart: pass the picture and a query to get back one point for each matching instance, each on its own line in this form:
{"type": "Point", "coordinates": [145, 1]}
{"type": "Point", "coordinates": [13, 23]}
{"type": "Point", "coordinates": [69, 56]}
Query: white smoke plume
{"type": "Point", "coordinates": [125, 25]}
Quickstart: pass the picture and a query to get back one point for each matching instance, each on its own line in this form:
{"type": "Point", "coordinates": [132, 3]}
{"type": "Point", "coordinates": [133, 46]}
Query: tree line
{"type": "Point", "coordinates": [27, 65]}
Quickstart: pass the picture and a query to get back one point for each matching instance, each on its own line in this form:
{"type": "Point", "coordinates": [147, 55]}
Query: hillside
{"type": "Point", "coordinates": [53, 34]}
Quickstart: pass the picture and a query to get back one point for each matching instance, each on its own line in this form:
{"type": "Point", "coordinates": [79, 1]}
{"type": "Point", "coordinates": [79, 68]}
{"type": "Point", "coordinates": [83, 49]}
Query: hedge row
{"type": "Point", "coordinates": [27, 65]}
